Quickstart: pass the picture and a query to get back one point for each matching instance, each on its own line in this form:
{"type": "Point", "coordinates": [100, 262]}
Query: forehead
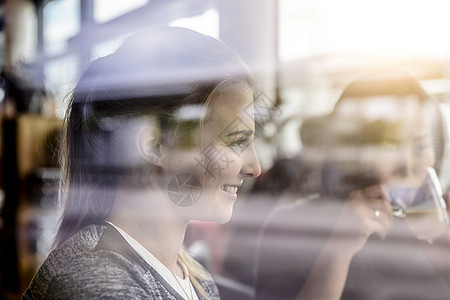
{"type": "Point", "coordinates": [232, 94]}
{"type": "Point", "coordinates": [382, 107]}
{"type": "Point", "coordinates": [230, 100]}
{"type": "Point", "coordinates": [230, 110]}
{"type": "Point", "coordinates": [410, 112]}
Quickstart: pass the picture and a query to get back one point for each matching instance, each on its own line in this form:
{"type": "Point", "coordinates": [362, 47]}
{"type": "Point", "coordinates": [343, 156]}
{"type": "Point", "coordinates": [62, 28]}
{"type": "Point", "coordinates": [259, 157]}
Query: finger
{"type": "Point", "coordinates": [372, 210]}
{"type": "Point", "coordinates": [379, 223]}
{"type": "Point", "coordinates": [379, 219]}
{"type": "Point", "coordinates": [378, 192]}
{"type": "Point", "coordinates": [380, 201]}
{"type": "Point", "coordinates": [375, 192]}
{"type": "Point", "coordinates": [380, 228]}
{"type": "Point", "coordinates": [375, 196]}
{"type": "Point", "coordinates": [384, 219]}
{"type": "Point", "coordinates": [369, 224]}
{"type": "Point", "coordinates": [387, 208]}
{"type": "Point", "coordinates": [385, 193]}
{"type": "Point", "coordinates": [382, 208]}
{"type": "Point", "coordinates": [357, 194]}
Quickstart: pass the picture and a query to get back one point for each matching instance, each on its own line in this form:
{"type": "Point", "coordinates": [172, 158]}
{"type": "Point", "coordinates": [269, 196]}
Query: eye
{"type": "Point", "coordinates": [421, 146]}
{"type": "Point", "coordinates": [240, 143]}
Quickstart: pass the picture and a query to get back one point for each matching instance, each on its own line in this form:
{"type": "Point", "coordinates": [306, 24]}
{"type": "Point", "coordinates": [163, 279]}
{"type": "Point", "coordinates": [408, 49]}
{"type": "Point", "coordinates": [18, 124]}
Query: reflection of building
{"type": "Point", "coordinates": [45, 44]}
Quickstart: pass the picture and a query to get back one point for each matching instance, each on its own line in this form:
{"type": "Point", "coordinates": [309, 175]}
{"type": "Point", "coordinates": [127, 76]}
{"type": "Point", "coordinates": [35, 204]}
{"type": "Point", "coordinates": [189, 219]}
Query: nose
{"type": "Point", "coordinates": [250, 166]}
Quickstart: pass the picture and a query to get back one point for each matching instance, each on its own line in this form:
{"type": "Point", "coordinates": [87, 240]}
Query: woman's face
{"type": "Point", "coordinates": [400, 135]}
{"type": "Point", "coordinates": [414, 152]}
{"type": "Point", "coordinates": [204, 179]}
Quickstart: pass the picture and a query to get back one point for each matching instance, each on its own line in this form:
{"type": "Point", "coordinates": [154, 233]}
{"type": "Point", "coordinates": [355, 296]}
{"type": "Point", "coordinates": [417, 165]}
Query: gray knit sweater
{"type": "Point", "coordinates": [97, 263]}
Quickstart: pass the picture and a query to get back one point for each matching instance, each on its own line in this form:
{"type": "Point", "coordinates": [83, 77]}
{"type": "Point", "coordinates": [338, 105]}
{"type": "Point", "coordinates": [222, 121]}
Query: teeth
{"type": "Point", "coordinates": [230, 189]}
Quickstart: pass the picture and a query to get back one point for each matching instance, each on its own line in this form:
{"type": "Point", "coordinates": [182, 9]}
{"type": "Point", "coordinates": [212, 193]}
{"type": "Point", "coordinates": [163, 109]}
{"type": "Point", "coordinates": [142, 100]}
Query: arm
{"type": "Point", "coordinates": [356, 223]}
{"type": "Point", "coordinates": [328, 276]}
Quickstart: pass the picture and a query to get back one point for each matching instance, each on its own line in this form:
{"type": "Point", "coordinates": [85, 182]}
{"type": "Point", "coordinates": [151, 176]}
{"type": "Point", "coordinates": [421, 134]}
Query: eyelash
{"type": "Point", "coordinates": [240, 143]}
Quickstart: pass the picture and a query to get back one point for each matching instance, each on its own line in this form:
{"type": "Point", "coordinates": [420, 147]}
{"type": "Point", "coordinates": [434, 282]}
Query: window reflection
{"type": "Point", "coordinates": [61, 22]}
{"type": "Point", "coordinates": [106, 10]}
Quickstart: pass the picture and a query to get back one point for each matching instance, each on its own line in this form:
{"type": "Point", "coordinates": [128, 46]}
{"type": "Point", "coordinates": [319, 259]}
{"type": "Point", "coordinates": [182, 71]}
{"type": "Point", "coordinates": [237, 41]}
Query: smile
{"type": "Point", "coordinates": [229, 189]}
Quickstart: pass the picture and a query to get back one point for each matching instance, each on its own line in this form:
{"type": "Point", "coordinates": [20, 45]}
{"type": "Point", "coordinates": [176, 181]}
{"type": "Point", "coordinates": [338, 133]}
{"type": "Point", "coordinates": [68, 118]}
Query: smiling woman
{"type": "Point", "coordinates": [367, 234]}
{"type": "Point", "coordinates": [157, 134]}
{"type": "Point", "coordinates": [217, 164]}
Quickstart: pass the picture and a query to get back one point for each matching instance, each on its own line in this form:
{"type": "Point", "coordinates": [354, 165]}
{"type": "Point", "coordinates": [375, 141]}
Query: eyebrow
{"type": "Point", "coordinates": [244, 132]}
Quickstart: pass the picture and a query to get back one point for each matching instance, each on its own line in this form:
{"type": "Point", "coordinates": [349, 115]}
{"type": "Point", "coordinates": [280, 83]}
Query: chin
{"type": "Point", "coordinates": [224, 219]}
{"type": "Point", "coordinates": [224, 214]}
{"type": "Point", "coordinates": [220, 215]}
{"type": "Point", "coordinates": [213, 208]}
{"type": "Point", "coordinates": [215, 218]}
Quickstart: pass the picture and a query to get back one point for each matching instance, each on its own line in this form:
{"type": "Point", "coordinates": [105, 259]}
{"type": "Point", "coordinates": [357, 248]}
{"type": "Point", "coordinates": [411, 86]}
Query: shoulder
{"type": "Point", "coordinates": [204, 278]}
{"type": "Point", "coordinates": [87, 278]}
{"type": "Point", "coordinates": [78, 267]}
{"type": "Point", "coordinates": [209, 286]}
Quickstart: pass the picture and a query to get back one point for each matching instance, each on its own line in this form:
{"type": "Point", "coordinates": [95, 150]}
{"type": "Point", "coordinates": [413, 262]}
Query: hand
{"type": "Point", "coordinates": [367, 211]}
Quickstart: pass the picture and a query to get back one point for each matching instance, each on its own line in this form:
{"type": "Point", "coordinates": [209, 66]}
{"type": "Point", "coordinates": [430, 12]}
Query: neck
{"type": "Point", "coordinates": [150, 220]}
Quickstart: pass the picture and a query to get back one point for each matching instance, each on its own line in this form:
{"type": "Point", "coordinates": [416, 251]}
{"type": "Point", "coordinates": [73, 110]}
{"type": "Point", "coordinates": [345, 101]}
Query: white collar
{"type": "Point", "coordinates": [159, 267]}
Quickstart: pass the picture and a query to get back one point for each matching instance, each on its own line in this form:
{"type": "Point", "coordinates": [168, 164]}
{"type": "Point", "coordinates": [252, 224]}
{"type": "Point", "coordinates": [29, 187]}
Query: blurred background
{"type": "Point", "coordinates": [303, 53]}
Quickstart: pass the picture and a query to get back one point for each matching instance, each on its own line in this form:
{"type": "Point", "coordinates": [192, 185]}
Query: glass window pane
{"type": "Point", "coordinates": [106, 47]}
{"type": "Point", "coordinates": [61, 21]}
{"type": "Point", "coordinates": [60, 76]}
{"type": "Point", "coordinates": [106, 10]}
{"type": "Point", "coordinates": [318, 27]}
{"type": "Point", "coordinates": [206, 23]}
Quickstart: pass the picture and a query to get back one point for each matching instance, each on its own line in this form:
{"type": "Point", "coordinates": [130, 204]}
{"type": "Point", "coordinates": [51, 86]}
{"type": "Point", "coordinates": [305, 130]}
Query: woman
{"type": "Point", "coordinates": [157, 134]}
{"type": "Point", "coordinates": [382, 139]}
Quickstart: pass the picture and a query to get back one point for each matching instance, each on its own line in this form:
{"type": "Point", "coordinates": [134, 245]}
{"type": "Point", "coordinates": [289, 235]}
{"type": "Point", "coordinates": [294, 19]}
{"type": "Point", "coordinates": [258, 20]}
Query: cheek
{"type": "Point", "coordinates": [424, 156]}
{"type": "Point", "coordinates": [426, 159]}
{"type": "Point", "coordinates": [222, 165]}
{"type": "Point", "coordinates": [182, 161]}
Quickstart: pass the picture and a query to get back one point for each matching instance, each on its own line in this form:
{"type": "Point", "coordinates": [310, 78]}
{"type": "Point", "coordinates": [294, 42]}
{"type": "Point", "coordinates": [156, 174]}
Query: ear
{"type": "Point", "coordinates": [148, 143]}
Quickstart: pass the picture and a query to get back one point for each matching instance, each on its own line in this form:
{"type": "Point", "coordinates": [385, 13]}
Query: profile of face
{"type": "Point", "coordinates": [203, 172]}
{"type": "Point", "coordinates": [402, 155]}
{"type": "Point", "coordinates": [388, 136]}
{"type": "Point", "coordinates": [162, 129]}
